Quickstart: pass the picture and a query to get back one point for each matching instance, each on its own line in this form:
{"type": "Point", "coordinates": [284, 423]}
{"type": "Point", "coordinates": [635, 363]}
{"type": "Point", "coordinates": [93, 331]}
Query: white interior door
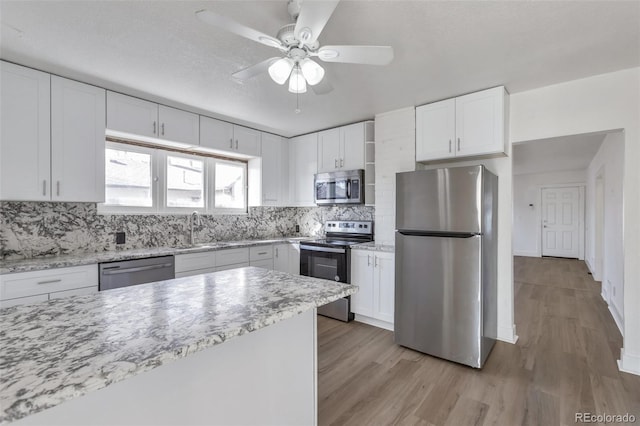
{"type": "Point", "coordinates": [561, 222]}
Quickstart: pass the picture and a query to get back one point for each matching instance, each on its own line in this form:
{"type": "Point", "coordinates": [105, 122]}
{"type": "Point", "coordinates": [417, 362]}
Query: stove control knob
{"type": "Point", "coordinates": [359, 226]}
{"type": "Point", "coordinates": [337, 278]}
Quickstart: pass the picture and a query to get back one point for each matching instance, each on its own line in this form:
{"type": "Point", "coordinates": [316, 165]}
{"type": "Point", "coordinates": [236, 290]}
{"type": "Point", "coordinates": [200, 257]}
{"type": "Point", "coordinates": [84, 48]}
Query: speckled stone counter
{"type": "Point", "coordinates": [65, 348]}
{"type": "Point", "coordinates": [372, 246]}
{"type": "Point", "coordinates": [42, 263]}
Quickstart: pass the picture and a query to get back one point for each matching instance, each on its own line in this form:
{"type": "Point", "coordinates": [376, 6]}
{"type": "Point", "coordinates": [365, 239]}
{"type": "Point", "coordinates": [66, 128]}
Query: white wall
{"type": "Point", "coordinates": [526, 219]}
{"type": "Point", "coordinates": [604, 102]}
{"type": "Point", "coordinates": [395, 152]}
{"type": "Point", "coordinates": [609, 159]}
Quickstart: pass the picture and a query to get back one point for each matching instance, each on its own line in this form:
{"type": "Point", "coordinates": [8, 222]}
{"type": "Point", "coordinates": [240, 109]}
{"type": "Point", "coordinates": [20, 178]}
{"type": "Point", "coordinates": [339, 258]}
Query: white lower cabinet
{"type": "Point", "coordinates": [374, 274]}
{"type": "Point", "coordinates": [286, 258]}
{"type": "Point", "coordinates": [38, 286]}
{"type": "Point", "coordinates": [195, 263]}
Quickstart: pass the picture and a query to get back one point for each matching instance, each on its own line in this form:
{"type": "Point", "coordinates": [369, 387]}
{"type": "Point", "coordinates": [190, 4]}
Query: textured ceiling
{"type": "Point", "coordinates": [442, 49]}
{"type": "Point", "coordinates": [556, 154]}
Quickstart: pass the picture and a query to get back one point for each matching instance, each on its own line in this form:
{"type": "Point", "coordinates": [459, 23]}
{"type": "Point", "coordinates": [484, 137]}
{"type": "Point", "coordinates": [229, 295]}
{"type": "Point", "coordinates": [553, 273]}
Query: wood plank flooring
{"type": "Point", "coordinates": [564, 362]}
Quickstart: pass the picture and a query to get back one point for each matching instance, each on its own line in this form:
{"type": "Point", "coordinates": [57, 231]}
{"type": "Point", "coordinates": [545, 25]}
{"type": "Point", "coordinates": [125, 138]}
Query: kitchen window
{"type": "Point", "coordinates": [143, 179]}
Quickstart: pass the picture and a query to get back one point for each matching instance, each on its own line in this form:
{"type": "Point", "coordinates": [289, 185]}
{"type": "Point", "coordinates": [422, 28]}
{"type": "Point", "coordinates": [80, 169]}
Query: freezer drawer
{"type": "Point", "coordinates": [438, 308]}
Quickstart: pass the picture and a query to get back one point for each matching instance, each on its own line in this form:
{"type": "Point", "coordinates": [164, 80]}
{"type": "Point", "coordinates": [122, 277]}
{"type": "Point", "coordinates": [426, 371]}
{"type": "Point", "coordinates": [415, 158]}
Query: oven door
{"type": "Point", "coordinates": [328, 263]}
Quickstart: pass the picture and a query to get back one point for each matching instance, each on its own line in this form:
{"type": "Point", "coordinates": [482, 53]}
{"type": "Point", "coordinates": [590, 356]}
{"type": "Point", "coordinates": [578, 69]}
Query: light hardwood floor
{"type": "Point", "coordinates": [564, 362]}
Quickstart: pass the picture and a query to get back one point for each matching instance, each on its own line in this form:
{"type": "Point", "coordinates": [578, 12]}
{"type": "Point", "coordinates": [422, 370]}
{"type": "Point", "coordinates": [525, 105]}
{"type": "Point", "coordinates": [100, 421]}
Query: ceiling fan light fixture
{"type": "Point", "coordinates": [280, 70]}
{"type": "Point", "coordinates": [297, 83]}
{"type": "Point", "coordinates": [312, 71]}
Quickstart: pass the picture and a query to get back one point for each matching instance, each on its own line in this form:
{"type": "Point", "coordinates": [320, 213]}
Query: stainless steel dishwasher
{"type": "Point", "coordinates": [139, 271]}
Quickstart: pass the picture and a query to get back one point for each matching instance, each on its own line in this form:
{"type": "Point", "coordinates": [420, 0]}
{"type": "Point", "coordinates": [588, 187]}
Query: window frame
{"type": "Point", "coordinates": [159, 166]}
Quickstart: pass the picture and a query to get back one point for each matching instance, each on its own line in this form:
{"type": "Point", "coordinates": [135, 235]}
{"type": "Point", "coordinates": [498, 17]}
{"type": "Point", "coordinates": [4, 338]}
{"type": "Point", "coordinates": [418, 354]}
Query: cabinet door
{"type": "Point", "coordinates": [362, 303]}
{"type": "Point", "coordinates": [274, 170]}
{"type": "Point", "coordinates": [281, 257]}
{"type": "Point", "coordinates": [384, 296]}
{"type": "Point", "coordinates": [480, 123]}
{"type": "Point", "coordinates": [265, 263]}
{"type": "Point", "coordinates": [303, 165]}
{"type": "Point", "coordinates": [77, 141]}
{"type": "Point", "coordinates": [25, 171]}
{"type": "Point", "coordinates": [216, 134]}
{"type": "Point", "coordinates": [436, 130]}
{"type": "Point", "coordinates": [132, 115]}
{"type": "Point", "coordinates": [352, 147]}
{"type": "Point", "coordinates": [247, 141]}
{"type": "Point", "coordinates": [294, 259]}
{"type": "Point", "coordinates": [179, 126]}
{"type": "Point", "coordinates": [329, 150]}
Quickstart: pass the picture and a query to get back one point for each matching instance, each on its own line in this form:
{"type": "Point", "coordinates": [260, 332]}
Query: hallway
{"type": "Point", "coordinates": [564, 362]}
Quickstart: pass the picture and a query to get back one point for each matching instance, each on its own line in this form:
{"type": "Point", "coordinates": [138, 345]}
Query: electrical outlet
{"type": "Point", "coordinates": [297, 228]}
{"type": "Point", "coordinates": [121, 237]}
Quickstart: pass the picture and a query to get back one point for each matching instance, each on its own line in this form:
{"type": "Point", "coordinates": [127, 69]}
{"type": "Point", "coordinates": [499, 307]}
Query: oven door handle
{"type": "Point", "coordinates": [348, 189]}
{"type": "Point", "coordinates": [322, 249]}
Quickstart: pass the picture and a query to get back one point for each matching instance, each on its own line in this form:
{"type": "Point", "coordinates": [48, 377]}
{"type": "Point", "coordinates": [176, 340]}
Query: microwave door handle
{"type": "Point", "coordinates": [348, 188]}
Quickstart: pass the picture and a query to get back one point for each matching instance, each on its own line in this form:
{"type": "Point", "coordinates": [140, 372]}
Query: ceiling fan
{"type": "Point", "coordinates": [298, 43]}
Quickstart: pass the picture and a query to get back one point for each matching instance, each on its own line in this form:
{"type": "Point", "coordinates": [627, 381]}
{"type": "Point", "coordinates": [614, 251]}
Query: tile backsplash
{"type": "Point", "coordinates": [33, 229]}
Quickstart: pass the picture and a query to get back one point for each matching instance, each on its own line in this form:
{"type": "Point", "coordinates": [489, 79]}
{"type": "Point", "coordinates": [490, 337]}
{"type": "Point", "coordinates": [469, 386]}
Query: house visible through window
{"type": "Point", "coordinates": [143, 179]}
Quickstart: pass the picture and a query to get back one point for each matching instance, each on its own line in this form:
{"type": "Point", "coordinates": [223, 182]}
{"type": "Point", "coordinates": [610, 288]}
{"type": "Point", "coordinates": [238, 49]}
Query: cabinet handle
{"type": "Point", "coordinates": [341, 162]}
{"type": "Point", "coordinates": [458, 144]}
{"type": "Point", "coordinates": [236, 143]}
{"type": "Point", "coordinates": [449, 145]}
{"type": "Point", "coordinates": [276, 251]}
{"type": "Point", "coordinates": [335, 163]}
{"type": "Point", "coordinates": [375, 261]}
{"type": "Point", "coordinates": [58, 188]}
{"type": "Point", "coordinates": [154, 127]}
{"type": "Point", "coordinates": [162, 129]}
{"type": "Point", "coordinates": [49, 281]}
{"type": "Point", "coordinates": [231, 143]}
{"type": "Point", "coordinates": [368, 260]}
{"type": "Point", "coordinates": [44, 187]}
{"type": "Point", "coordinates": [262, 252]}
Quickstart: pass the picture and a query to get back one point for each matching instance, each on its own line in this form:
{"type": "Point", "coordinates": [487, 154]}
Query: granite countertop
{"type": "Point", "coordinates": [42, 263]}
{"type": "Point", "coordinates": [372, 246]}
{"type": "Point", "coordinates": [62, 349]}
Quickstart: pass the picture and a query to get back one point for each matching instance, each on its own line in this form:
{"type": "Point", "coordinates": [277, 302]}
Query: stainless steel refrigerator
{"type": "Point", "coordinates": [446, 263]}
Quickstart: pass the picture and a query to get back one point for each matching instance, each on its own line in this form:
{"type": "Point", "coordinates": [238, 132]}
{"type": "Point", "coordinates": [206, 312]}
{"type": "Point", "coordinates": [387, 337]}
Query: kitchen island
{"type": "Point", "coordinates": [231, 347]}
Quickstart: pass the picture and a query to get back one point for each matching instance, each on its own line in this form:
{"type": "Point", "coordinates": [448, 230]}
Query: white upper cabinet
{"type": "Point", "coordinates": [329, 154]}
{"type": "Point", "coordinates": [275, 170]}
{"type": "Point", "coordinates": [436, 130]}
{"type": "Point", "coordinates": [341, 148]}
{"type": "Point", "coordinates": [216, 134]}
{"type": "Point", "coordinates": [77, 141]}
{"type": "Point", "coordinates": [24, 134]}
{"type": "Point", "coordinates": [132, 115]}
{"type": "Point", "coordinates": [178, 125]}
{"type": "Point", "coordinates": [247, 141]}
{"type": "Point", "coordinates": [223, 136]}
{"type": "Point", "coordinates": [465, 126]}
{"type": "Point", "coordinates": [135, 116]}
{"type": "Point", "coordinates": [303, 164]}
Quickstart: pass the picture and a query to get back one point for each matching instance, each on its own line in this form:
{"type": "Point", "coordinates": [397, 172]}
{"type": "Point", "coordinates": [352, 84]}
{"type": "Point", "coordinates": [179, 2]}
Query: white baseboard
{"type": "Point", "coordinates": [374, 322]}
{"type": "Point", "coordinates": [629, 363]}
{"type": "Point", "coordinates": [507, 334]}
{"type": "Point", "coordinates": [526, 253]}
{"type": "Point", "coordinates": [588, 265]}
{"type": "Point", "coordinates": [617, 317]}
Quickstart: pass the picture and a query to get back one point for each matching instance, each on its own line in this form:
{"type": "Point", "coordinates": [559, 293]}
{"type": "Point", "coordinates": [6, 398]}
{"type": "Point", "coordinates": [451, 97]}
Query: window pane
{"type": "Point", "coordinates": [185, 182]}
{"type": "Point", "coordinates": [128, 178]}
{"type": "Point", "coordinates": [230, 186]}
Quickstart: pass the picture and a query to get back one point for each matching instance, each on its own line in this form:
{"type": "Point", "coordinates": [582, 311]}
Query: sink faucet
{"type": "Point", "coordinates": [194, 220]}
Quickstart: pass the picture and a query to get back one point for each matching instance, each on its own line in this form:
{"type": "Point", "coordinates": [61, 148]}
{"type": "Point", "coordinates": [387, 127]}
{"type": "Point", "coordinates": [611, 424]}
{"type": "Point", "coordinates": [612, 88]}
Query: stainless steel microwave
{"type": "Point", "coordinates": [344, 187]}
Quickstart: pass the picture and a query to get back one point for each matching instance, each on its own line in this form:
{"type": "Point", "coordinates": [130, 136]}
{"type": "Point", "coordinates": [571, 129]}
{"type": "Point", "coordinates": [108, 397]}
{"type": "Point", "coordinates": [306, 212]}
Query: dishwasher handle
{"type": "Point", "coordinates": [114, 271]}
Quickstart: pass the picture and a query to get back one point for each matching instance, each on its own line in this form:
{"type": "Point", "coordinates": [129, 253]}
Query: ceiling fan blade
{"type": "Point", "coordinates": [369, 55]}
{"type": "Point", "coordinates": [322, 88]}
{"type": "Point", "coordinates": [314, 15]}
{"type": "Point", "coordinates": [254, 70]}
{"type": "Point", "coordinates": [232, 26]}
